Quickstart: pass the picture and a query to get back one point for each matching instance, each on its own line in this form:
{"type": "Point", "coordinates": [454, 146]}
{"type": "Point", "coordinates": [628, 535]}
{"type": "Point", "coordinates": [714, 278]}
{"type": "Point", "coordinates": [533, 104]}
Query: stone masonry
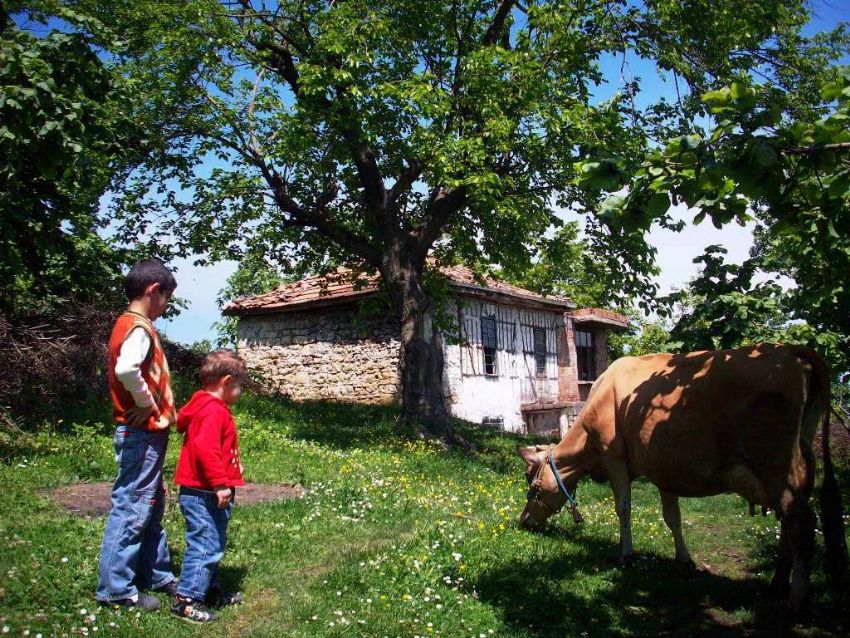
{"type": "Point", "coordinates": [323, 354]}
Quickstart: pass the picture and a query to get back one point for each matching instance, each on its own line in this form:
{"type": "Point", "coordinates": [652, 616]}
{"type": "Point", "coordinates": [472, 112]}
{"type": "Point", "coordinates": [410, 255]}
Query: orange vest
{"type": "Point", "coordinates": [154, 371]}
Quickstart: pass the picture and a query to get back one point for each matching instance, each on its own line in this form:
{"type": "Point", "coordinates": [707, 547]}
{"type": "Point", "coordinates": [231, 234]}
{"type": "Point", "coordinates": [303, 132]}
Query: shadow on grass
{"type": "Point", "coordinates": [232, 576]}
{"type": "Point", "coordinates": [340, 425]}
{"type": "Point", "coordinates": [563, 597]}
{"type": "Point", "coordinates": [351, 425]}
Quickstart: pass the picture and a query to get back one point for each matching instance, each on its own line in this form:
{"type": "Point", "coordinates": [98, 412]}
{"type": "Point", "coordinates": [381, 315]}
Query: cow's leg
{"type": "Point", "coordinates": [797, 515]}
{"type": "Point", "coordinates": [673, 518]}
{"type": "Point", "coordinates": [779, 584]}
{"type": "Point", "coordinates": [622, 487]}
{"type": "Point", "coordinates": [801, 534]}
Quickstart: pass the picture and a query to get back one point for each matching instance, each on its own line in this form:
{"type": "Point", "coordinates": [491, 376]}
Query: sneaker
{"type": "Point", "coordinates": [142, 601]}
{"type": "Point", "coordinates": [169, 588]}
{"type": "Point", "coordinates": [191, 610]}
{"type": "Point", "coordinates": [218, 598]}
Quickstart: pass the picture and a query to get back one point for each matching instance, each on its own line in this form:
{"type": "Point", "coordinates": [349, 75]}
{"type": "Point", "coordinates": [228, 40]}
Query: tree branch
{"type": "Point", "coordinates": [405, 179]}
{"type": "Point", "coordinates": [315, 217]}
{"type": "Point", "coordinates": [816, 148]}
{"type": "Point", "coordinates": [318, 218]}
{"type": "Point", "coordinates": [444, 203]}
{"type": "Point", "coordinates": [281, 61]}
{"type": "Point", "coordinates": [362, 154]}
{"type": "Point", "coordinates": [364, 159]}
{"type": "Point", "coordinates": [494, 31]}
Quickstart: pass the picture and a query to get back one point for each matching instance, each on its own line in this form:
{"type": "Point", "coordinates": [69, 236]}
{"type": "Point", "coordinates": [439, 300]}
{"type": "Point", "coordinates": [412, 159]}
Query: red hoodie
{"type": "Point", "coordinates": [209, 458]}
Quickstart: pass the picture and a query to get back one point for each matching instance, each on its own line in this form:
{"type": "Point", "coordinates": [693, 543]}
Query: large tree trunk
{"type": "Point", "coordinates": [421, 358]}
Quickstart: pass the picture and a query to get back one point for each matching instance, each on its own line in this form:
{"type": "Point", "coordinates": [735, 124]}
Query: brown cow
{"type": "Point", "coordinates": [700, 424]}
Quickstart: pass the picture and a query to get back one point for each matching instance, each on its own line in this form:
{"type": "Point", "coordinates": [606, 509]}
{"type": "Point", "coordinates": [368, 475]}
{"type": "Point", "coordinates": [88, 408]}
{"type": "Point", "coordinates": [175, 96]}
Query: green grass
{"type": "Point", "coordinates": [396, 538]}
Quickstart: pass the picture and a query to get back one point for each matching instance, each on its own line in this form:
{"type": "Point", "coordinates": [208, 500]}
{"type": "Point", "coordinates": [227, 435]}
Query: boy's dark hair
{"type": "Point", "coordinates": [220, 363]}
{"type": "Point", "coordinates": [145, 273]}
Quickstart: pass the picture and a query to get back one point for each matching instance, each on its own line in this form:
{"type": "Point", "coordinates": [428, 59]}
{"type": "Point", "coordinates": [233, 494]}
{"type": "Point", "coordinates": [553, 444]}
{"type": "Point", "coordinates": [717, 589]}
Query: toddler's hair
{"type": "Point", "coordinates": [220, 363]}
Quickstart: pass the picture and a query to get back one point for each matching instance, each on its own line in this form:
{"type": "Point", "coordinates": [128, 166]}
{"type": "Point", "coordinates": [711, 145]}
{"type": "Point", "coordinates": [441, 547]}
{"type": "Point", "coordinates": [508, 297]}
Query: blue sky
{"type": "Point", "coordinates": [199, 286]}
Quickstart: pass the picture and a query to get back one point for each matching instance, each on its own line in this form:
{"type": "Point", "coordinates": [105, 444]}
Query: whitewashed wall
{"type": "Point", "coordinates": [473, 395]}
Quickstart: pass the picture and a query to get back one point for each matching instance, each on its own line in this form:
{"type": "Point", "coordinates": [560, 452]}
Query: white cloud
{"type": "Point", "coordinates": [676, 251]}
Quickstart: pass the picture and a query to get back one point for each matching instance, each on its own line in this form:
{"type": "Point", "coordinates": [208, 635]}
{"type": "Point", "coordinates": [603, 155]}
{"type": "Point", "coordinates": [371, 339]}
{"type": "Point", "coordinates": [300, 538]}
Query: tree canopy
{"type": "Point", "coordinates": [63, 131]}
{"type": "Point", "coordinates": [379, 133]}
{"type": "Point", "coordinates": [316, 128]}
{"type": "Point", "coordinates": [793, 177]}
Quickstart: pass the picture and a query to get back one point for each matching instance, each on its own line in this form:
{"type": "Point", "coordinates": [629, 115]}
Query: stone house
{"type": "Point", "coordinates": [518, 360]}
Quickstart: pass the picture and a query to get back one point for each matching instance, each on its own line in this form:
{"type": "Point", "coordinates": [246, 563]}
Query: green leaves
{"type": "Point", "coordinates": [738, 96]}
{"type": "Point", "coordinates": [604, 174]}
{"type": "Point", "coordinates": [761, 153]}
{"type": "Point", "coordinates": [62, 136]}
{"type": "Point", "coordinates": [796, 180]}
{"type": "Point", "coordinates": [838, 89]}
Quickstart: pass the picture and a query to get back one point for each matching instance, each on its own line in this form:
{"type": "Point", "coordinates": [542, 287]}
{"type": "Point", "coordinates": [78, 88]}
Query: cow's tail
{"type": "Point", "coordinates": [819, 405]}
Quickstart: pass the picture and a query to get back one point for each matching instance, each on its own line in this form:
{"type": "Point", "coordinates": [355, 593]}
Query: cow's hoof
{"type": "Point", "coordinates": [626, 561]}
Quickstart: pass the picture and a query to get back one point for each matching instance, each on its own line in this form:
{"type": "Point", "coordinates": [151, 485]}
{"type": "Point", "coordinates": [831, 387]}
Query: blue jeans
{"type": "Point", "coordinates": [206, 538]}
{"type": "Point", "coordinates": [134, 551]}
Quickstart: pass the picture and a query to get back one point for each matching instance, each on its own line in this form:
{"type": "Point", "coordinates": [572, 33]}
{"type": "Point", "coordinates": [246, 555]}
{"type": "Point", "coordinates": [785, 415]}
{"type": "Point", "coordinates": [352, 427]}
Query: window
{"type": "Point", "coordinates": [540, 352]}
{"type": "Point", "coordinates": [489, 343]}
{"type": "Point", "coordinates": [586, 355]}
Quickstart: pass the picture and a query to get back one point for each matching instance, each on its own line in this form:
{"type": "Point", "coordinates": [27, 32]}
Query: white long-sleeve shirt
{"type": "Point", "coordinates": [128, 367]}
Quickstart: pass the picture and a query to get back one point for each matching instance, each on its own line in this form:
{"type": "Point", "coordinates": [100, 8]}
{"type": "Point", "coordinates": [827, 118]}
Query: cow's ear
{"type": "Point", "coordinates": [528, 454]}
{"type": "Point", "coordinates": [542, 448]}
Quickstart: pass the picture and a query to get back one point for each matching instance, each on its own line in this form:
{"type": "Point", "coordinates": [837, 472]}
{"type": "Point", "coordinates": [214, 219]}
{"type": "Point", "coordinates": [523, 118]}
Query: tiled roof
{"type": "Point", "coordinates": [338, 287]}
{"type": "Point", "coordinates": [464, 278]}
{"type": "Point", "coordinates": [599, 315]}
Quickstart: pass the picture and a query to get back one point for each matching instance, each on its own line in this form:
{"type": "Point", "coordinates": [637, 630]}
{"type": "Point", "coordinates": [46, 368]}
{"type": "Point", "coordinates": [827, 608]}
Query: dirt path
{"type": "Point", "coordinates": [93, 499]}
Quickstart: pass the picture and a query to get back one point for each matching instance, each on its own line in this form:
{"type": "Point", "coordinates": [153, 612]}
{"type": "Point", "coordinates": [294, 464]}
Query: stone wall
{"type": "Point", "coordinates": [323, 355]}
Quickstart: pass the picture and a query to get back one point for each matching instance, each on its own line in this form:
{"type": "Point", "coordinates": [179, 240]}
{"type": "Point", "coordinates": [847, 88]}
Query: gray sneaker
{"type": "Point", "coordinates": [143, 601]}
{"type": "Point", "coordinates": [169, 588]}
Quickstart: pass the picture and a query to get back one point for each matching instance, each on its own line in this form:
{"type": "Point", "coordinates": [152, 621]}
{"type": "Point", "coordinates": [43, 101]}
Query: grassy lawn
{"type": "Point", "coordinates": [396, 538]}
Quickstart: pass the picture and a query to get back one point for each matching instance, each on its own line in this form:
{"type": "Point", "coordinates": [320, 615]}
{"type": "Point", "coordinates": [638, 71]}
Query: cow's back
{"type": "Point", "coordinates": [684, 420]}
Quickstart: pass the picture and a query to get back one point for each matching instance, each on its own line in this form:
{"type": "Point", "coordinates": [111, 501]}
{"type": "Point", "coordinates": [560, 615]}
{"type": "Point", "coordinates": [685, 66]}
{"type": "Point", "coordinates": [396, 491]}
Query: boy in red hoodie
{"type": "Point", "coordinates": [208, 473]}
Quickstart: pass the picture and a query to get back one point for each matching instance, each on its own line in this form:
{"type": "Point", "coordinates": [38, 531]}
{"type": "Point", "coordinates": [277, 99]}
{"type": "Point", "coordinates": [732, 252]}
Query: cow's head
{"type": "Point", "coordinates": [544, 497]}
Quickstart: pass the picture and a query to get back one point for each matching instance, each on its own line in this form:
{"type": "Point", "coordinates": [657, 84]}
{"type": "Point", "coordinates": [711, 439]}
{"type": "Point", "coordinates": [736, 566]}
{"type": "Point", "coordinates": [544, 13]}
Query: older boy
{"type": "Point", "coordinates": [134, 553]}
{"type": "Point", "coordinates": [208, 473]}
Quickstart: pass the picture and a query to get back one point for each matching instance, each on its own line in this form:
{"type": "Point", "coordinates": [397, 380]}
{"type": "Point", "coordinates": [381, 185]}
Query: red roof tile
{"type": "Point", "coordinates": [338, 287]}
{"type": "Point", "coordinates": [599, 315]}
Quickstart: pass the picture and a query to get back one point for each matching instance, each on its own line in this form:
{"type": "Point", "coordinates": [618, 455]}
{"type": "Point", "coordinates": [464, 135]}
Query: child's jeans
{"type": "Point", "coordinates": [134, 551]}
{"type": "Point", "coordinates": [206, 538]}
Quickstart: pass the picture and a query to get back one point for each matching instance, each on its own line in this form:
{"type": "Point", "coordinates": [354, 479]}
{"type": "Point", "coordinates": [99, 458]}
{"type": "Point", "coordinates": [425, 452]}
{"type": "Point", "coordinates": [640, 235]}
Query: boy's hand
{"type": "Point", "coordinates": [138, 416]}
{"type": "Point", "coordinates": [224, 494]}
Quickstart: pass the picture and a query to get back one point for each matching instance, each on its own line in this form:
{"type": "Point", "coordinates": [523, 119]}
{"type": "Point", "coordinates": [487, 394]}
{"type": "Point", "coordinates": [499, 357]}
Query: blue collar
{"type": "Point", "coordinates": [570, 498]}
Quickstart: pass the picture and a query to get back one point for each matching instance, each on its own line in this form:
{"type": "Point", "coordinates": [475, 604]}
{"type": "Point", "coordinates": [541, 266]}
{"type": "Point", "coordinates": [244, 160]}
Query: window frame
{"type": "Point", "coordinates": [586, 364]}
{"type": "Point", "coordinates": [489, 358]}
{"type": "Point", "coordinates": [540, 356]}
